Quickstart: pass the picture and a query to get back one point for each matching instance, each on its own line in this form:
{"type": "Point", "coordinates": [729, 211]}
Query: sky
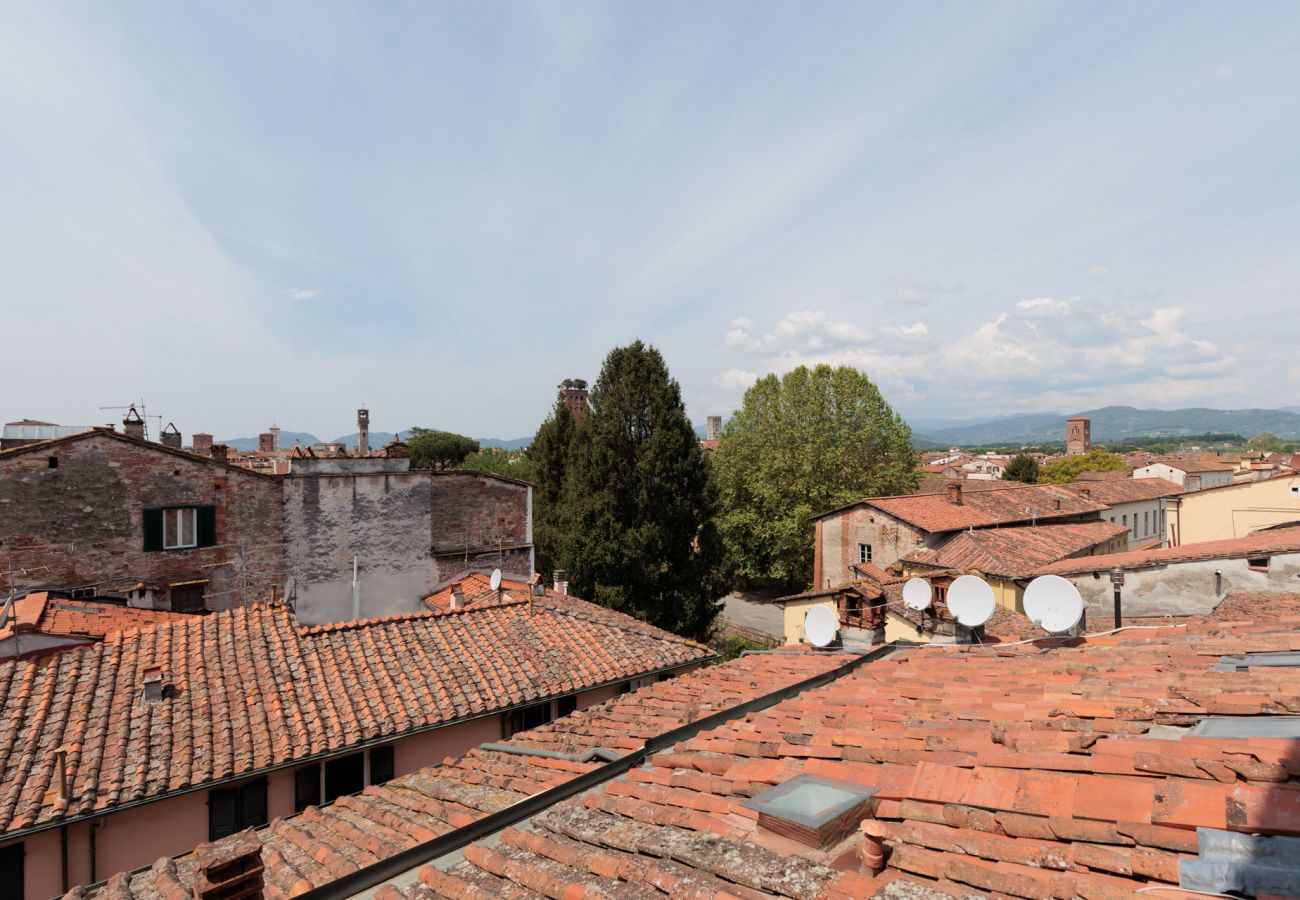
{"type": "Point", "coordinates": [251, 212]}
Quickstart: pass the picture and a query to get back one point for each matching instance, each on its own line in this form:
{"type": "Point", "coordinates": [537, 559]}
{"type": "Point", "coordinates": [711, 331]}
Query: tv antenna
{"type": "Point", "coordinates": [140, 410]}
{"type": "Point", "coordinates": [820, 626]}
{"type": "Point", "coordinates": [917, 594]}
{"type": "Point", "coordinates": [1053, 604]}
{"type": "Point", "coordinates": [971, 601]}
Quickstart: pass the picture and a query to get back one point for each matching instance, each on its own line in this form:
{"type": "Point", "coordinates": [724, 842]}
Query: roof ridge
{"type": "Point", "coordinates": [625, 626]}
{"type": "Point", "coordinates": [352, 624]}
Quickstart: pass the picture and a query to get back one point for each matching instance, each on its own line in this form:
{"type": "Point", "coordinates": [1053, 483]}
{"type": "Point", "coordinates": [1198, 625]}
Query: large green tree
{"type": "Point", "coordinates": [1068, 468]}
{"type": "Point", "coordinates": [439, 449]}
{"type": "Point", "coordinates": [802, 444]}
{"type": "Point", "coordinates": [638, 506]}
{"type": "Point", "coordinates": [1022, 467]}
{"type": "Point", "coordinates": [498, 461]}
{"type": "Point", "coordinates": [548, 458]}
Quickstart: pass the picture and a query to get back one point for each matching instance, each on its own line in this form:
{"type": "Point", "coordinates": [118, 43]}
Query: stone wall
{"type": "Point", "coordinates": [481, 521]}
{"type": "Point", "coordinates": [839, 535]}
{"type": "Point", "coordinates": [76, 523]}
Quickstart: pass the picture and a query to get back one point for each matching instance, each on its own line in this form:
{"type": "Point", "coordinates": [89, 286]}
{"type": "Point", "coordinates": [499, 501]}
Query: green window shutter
{"type": "Point", "coordinates": [306, 787]}
{"type": "Point", "coordinates": [381, 764]}
{"type": "Point", "coordinates": [223, 813]}
{"type": "Point", "coordinates": [207, 517]}
{"type": "Point", "coordinates": [153, 529]}
{"type": "Point", "coordinates": [252, 804]}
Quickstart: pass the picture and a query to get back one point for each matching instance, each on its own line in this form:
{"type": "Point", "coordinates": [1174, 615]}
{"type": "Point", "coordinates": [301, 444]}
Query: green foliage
{"type": "Point", "coordinates": [1068, 468]}
{"type": "Point", "coordinates": [1265, 441]}
{"type": "Point", "coordinates": [735, 645]}
{"type": "Point", "coordinates": [801, 445]}
{"type": "Point", "coordinates": [637, 531]}
{"type": "Point", "coordinates": [510, 463]}
{"type": "Point", "coordinates": [1022, 468]}
{"type": "Point", "coordinates": [439, 449]}
{"type": "Point", "coordinates": [548, 458]}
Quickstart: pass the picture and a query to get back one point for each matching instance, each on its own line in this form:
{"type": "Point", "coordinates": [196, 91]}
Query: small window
{"type": "Point", "coordinates": [529, 717]}
{"type": "Point", "coordinates": [1146, 522]}
{"type": "Point", "coordinates": [381, 764]}
{"type": "Point", "coordinates": [53, 462]}
{"type": "Point", "coordinates": [1258, 563]}
{"type": "Point", "coordinates": [11, 870]}
{"type": "Point", "coordinates": [346, 775]}
{"type": "Point", "coordinates": [188, 598]}
{"type": "Point", "coordinates": [864, 553]}
{"type": "Point", "coordinates": [566, 705]}
{"type": "Point", "coordinates": [306, 787]}
{"type": "Point", "coordinates": [237, 808]}
{"type": "Point", "coordinates": [180, 528]}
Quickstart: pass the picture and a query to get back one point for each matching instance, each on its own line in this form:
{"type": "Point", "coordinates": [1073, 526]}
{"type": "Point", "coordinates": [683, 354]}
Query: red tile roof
{"type": "Point", "coordinates": [1016, 551]}
{"type": "Point", "coordinates": [1127, 490]}
{"type": "Point", "coordinates": [1193, 465]}
{"type": "Point", "coordinates": [1104, 476]}
{"type": "Point", "coordinates": [980, 509]}
{"type": "Point", "coordinates": [321, 845]}
{"type": "Point", "coordinates": [1009, 771]}
{"type": "Point", "coordinates": [92, 619]}
{"type": "Point", "coordinates": [256, 691]}
{"type": "Point", "coordinates": [1277, 540]}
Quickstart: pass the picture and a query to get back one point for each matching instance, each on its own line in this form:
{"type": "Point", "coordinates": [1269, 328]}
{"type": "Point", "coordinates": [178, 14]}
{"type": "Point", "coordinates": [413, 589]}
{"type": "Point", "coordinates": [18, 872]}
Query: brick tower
{"type": "Point", "coordinates": [1078, 436]}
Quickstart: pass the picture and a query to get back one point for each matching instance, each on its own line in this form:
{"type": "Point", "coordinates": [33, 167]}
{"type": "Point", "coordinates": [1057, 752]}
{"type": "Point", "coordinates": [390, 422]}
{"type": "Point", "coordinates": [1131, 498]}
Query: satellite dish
{"type": "Point", "coordinates": [820, 626]}
{"type": "Point", "coordinates": [495, 582]}
{"type": "Point", "coordinates": [916, 593]}
{"type": "Point", "coordinates": [971, 601]}
{"type": "Point", "coordinates": [1053, 603]}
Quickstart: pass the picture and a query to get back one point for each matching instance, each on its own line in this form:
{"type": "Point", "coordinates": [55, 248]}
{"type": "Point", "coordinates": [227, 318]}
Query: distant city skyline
{"type": "Point", "coordinates": [276, 213]}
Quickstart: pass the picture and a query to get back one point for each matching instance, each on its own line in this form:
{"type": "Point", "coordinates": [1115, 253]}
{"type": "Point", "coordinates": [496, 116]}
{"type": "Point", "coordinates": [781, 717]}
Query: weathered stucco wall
{"type": "Point", "coordinates": [1184, 589]}
{"type": "Point", "coordinates": [840, 535]}
{"type": "Point", "coordinates": [78, 520]}
{"type": "Point", "coordinates": [1235, 511]}
{"type": "Point", "coordinates": [384, 520]}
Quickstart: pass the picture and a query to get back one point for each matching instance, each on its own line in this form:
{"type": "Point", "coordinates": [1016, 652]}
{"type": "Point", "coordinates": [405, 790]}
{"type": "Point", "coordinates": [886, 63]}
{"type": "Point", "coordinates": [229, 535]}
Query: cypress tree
{"type": "Point", "coordinates": [549, 458]}
{"type": "Point", "coordinates": [638, 533]}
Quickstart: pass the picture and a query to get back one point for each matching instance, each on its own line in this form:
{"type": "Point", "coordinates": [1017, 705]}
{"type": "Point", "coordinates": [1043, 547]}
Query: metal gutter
{"type": "Point", "coordinates": [385, 870]}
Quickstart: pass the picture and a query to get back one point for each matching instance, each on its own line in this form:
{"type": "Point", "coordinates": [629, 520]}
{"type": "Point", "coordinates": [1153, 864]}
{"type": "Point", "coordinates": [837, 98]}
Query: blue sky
{"type": "Point", "coordinates": [245, 211]}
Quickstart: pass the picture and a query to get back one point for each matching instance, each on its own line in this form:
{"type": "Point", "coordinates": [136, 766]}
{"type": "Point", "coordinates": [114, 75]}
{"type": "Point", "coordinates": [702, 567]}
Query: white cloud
{"type": "Point", "coordinates": [1098, 271]}
{"type": "Point", "coordinates": [735, 380]}
{"type": "Point", "coordinates": [1044, 304]}
{"type": "Point", "coordinates": [303, 293]}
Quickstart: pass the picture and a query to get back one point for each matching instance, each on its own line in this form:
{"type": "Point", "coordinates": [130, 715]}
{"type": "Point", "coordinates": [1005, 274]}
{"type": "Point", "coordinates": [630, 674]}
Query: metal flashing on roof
{"type": "Point", "coordinates": [1286, 727]}
{"type": "Point", "coordinates": [1289, 659]}
{"type": "Point", "coordinates": [1249, 864]}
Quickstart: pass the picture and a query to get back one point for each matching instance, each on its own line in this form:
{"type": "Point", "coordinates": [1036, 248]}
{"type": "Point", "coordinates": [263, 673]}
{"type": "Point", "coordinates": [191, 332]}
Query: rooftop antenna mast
{"type": "Point", "coordinates": [139, 407]}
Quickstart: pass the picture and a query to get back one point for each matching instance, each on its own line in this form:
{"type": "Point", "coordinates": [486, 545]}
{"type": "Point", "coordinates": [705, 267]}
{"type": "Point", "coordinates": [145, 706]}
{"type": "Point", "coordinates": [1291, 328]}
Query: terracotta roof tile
{"type": "Point", "coordinates": [1015, 551]}
{"type": "Point", "coordinates": [1124, 489]}
{"type": "Point", "coordinates": [92, 619]}
{"type": "Point", "coordinates": [983, 508]}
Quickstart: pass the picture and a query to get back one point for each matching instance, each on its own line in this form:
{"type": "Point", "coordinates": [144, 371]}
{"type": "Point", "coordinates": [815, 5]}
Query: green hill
{"type": "Point", "coordinates": [1116, 423]}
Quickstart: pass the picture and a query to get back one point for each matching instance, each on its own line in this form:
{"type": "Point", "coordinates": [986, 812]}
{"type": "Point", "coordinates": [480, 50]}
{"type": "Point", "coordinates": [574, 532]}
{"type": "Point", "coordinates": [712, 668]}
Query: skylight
{"type": "Point", "coordinates": [813, 810]}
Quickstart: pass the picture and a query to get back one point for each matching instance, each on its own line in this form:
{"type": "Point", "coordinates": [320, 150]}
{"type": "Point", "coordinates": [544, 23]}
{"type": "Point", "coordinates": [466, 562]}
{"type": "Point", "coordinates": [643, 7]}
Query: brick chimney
{"type": "Point", "coordinates": [265, 442]}
{"type": "Point", "coordinates": [229, 869]}
{"type": "Point", "coordinates": [954, 493]}
{"type": "Point", "coordinates": [1085, 493]}
{"type": "Point", "coordinates": [396, 449]}
{"type": "Point", "coordinates": [133, 425]}
{"type": "Point", "coordinates": [202, 444]}
{"type": "Point", "coordinates": [220, 453]}
{"type": "Point", "coordinates": [170, 437]}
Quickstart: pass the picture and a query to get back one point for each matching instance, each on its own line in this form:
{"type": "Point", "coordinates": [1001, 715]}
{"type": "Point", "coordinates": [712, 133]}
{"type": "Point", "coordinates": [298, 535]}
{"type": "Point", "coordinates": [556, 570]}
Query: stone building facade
{"type": "Point", "coordinates": [102, 513]}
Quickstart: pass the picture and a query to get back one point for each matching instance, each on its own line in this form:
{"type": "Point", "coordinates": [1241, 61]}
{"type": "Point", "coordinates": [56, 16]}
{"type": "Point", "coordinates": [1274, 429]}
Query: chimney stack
{"type": "Point", "coordinates": [265, 442]}
{"type": "Point", "coordinates": [170, 437]}
{"type": "Point", "coordinates": [363, 431]}
{"type": "Point", "coordinates": [561, 582]}
{"type": "Point", "coordinates": [954, 493]}
{"type": "Point", "coordinates": [229, 869]}
{"type": "Point", "coordinates": [202, 444]}
{"type": "Point", "coordinates": [220, 453]}
{"type": "Point", "coordinates": [133, 425]}
{"type": "Point", "coordinates": [1085, 493]}
{"type": "Point", "coordinates": [714, 431]}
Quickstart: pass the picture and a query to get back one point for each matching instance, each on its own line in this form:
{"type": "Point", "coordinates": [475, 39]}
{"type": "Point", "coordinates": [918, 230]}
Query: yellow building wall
{"type": "Point", "coordinates": [1233, 512]}
{"type": "Point", "coordinates": [898, 628]}
{"type": "Point", "coordinates": [795, 610]}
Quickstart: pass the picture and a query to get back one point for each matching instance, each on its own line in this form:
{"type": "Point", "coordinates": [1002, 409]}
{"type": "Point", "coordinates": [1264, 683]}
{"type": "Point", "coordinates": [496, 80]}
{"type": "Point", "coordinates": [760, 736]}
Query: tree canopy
{"type": "Point", "coordinates": [432, 449]}
{"type": "Point", "coordinates": [1068, 468]}
{"type": "Point", "coordinates": [548, 457]}
{"type": "Point", "coordinates": [510, 463]}
{"type": "Point", "coordinates": [1022, 467]}
{"type": "Point", "coordinates": [637, 531]}
{"type": "Point", "coordinates": [802, 444]}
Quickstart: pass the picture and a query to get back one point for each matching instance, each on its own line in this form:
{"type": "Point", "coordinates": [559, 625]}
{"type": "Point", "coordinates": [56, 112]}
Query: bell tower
{"type": "Point", "coordinates": [1078, 436]}
{"type": "Point", "coordinates": [363, 431]}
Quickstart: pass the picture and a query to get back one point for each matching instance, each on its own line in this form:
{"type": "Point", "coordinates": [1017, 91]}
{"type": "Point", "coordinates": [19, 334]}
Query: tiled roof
{"type": "Point", "coordinates": [256, 691]}
{"type": "Point", "coordinates": [1008, 771]}
{"type": "Point", "coordinates": [1127, 490]}
{"type": "Point", "coordinates": [91, 619]}
{"type": "Point", "coordinates": [1015, 551]}
{"type": "Point", "coordinates": [41, 446]}
{"type": "Point", "coordinates": [1193, 465]}
{"type": "Point", "coordinates": [980, 509]}
{"type": "Point", "coordinates": [321, 845]}
{"type": "Point", "coordinates": [1276, 540]}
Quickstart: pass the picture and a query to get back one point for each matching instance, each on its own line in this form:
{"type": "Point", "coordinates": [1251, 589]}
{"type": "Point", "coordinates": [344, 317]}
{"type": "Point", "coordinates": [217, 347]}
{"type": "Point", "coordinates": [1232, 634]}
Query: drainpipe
{"type": "Point", "coordinates": [356, 592]}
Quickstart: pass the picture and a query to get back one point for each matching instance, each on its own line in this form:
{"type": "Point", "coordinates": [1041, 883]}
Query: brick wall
{"type": "Point", "coordinates": [79, 523]}
{"type": "Point", "coordinates": [840, 534]}
{"type": "Point", "coordinates": [481, 521]}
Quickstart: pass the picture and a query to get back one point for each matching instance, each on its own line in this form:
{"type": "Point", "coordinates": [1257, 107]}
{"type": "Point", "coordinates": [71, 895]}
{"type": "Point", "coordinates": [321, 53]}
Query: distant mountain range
{"type": "Point", "coordinates": [1116, 423]}
{"type": "Point", "coordinates": [377, 439]}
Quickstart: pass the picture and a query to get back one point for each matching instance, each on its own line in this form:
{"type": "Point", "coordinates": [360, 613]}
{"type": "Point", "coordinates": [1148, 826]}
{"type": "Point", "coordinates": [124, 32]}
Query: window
{"type": "Point", "coordinates": [346, 775]}
{"type": "Point", "coordinates": [54, 462]}
{"type": "Point", "coordinates": [180, 527]}
{"type": "Point", "coordinates": [11, 870]}
{"type": "Point", "coordinates": [188, 598]}
{"type": "Point", "coordinates": [1258, 563]}
{"type": "Point", "coordinates": [306, 787]}
{"type": "Point", "coordinates": [1146, 522]}
{"type": "Point", "coordinates": [237, 808]}
{"type": "Point", "coordinates": [381, 764]}
{"type": "Point", "coordinates": [529, 717]}
{"type": "Point", "coordinates": [864, 553]}
{"type": "Point", "coordinates": [566, 705]}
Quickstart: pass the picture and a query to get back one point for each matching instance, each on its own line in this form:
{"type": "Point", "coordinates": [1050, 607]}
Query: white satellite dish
{"type": "Point", "coordinates": [495, 581]}
{"type": "Point", "coordinates": [1053, 603]}
{"type": "Point", "coordinates": [820, 625]}
{"type": "Point", "coordinates": [916, 593]}
{"type": "Point", "coordinates": [971, 601]}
